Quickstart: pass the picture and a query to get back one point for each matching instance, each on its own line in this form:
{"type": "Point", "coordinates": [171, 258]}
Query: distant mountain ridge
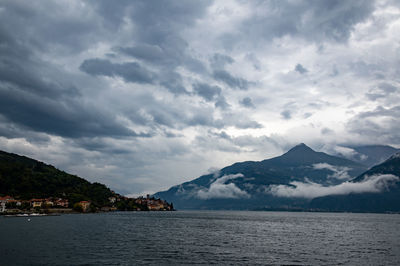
{"type": "Point", "coordinates": [371, 155]}
{"type": "Point", "coordinates": [387, 200]}
{"type": "Point", "coordinates": [247, 185]}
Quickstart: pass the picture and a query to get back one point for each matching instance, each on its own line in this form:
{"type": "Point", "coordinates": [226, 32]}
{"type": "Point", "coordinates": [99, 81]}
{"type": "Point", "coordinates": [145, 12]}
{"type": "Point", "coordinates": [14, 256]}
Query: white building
{"type": "Point", "coordinates": [3, 202]}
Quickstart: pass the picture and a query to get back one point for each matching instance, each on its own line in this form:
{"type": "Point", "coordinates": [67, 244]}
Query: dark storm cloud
{"type": "Point", "coordinates": [101, 145]}
{"type": "Point", "coordinates": [381, 124]}
{"type": "Point", "coordinates": [35, 95]}
{"type": "Point", "coordinates": [247, 102]}
{"type": "Point", "coordinates": [11, 131]}
{"type": "Point", "coordinates": [387, 88]}
{"type": "Point", "coordinates": [178, 117]}
{"type": "Point", "coordinates": [159, 115]}
{"type": "Point", "coordinates": [50, 26]}
{"type": "Point", "coordinates": [231, 81]}
{"type": "Point", "coordinates": [213, 142]}
{"type": "Point", "coordinates": [218, 61]}
{"type": "Point", "coordinates": [166, 56]}
{"type": "Point", "coordinates": [286, 114]}
{"type": "Point", "coordinates": [69, 118]}
{"type": "Point", "coordinates": [316, 20]}
{"type": "Point", "coordinates": [167, 116]}
{"type": "Point", "coordinates": [222, 103]}
{"type": "Point", "coordinates": [206, 91]}
{"type": "Point", "coordinates": [366, 69]}
{"type": "Point", "coordinates": [173, 82]}
{"type": "Point", "coordinates": [154, 113]}
{"type": "Point", "coordinates": [299, 68]}
{"type": "Point", "coordinates": [381, 91]}
{"type": "Point", "coordinates": [195, 65]}
{"type": "Point", "coordinates": [374, 96]}
{"type": "Point", "coordinates": [130, 72]}
{"type": "Point", "coordinates": [158, 43]}
{"type": "Point", "coordinates": [246, 124]}
{"type": "Point", "coordinates": [20, 68]}
{"type": "Point", "coordinates": [149, 53]}
{"type": "Point", "coordinates": [222, 135]}
{"type": "Point", "coordinates": [170, 15]}
{"type": "Point", "coordinates": [204, 119]}
{"type": "Point", "coordinates": [136, 73]}
{"type": "Point", "coordinates": [26, 75]}
{"type": "Point", "coordinates": [381, 112]}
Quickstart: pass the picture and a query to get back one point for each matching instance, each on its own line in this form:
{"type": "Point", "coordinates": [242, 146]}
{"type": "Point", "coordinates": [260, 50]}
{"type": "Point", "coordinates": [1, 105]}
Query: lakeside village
{"type": "Point", "coordinates": [13, 206]}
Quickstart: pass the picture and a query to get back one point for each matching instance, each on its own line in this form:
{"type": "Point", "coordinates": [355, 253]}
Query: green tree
{"type": "Point", "coordinates": [78, 207]}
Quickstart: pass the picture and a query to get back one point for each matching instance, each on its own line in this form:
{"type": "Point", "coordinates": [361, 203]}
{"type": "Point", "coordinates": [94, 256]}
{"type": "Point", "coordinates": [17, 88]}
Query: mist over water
{"type": "Point", "coordinates": [200, 237]}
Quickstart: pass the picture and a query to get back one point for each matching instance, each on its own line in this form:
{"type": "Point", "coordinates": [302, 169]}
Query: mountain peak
{"type": "Point", "coordinates": [300, 148]}
{"type": "Point", "coordinates": [301, 153]}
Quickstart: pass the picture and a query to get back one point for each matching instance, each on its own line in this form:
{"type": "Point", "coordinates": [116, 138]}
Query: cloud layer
{"type": "Point", "coordinates": [219, 189]}
{"type": "Point", "coordinates": [310, 190]}
{"type": "Point", "coordinates": [338, 171]}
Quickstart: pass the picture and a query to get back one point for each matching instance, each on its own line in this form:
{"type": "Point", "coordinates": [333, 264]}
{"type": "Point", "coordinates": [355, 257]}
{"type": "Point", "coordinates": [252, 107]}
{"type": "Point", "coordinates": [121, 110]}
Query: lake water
{"type": "Point", "coordinates": [201, 237]}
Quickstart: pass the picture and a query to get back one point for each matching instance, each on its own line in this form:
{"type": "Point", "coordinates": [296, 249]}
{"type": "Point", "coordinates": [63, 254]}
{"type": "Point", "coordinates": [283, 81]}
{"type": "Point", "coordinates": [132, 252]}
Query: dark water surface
{"type": "Point", "coordinates": [197, 237]}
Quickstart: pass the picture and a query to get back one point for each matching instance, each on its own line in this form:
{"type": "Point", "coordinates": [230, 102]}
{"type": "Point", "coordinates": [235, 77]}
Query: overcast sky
{"type": "Point", "coordinates": [143, 95]}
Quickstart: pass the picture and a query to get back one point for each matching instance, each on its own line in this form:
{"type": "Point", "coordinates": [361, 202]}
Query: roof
{"type": "Point", "coordinates": [6, 198]}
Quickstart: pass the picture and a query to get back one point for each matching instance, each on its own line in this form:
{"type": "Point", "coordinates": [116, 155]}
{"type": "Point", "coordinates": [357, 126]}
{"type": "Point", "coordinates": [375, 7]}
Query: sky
{"type": "Point", "coordinates": [144, 95]}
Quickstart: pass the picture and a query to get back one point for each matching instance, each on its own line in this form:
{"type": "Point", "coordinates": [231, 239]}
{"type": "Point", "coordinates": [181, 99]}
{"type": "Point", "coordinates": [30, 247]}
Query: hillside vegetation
{"type": "Point", "coordinates": [26, 178]}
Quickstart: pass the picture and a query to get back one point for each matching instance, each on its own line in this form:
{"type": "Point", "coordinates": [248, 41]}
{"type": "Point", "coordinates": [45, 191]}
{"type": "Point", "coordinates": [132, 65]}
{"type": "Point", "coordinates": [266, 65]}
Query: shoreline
{"type": "Point", "coordinates": [36, 214]}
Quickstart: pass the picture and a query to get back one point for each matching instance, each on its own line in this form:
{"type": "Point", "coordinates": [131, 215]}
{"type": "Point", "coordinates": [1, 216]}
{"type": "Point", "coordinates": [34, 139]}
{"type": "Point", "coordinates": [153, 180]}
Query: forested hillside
{"type": "Point", "coordinates": [25, 178]}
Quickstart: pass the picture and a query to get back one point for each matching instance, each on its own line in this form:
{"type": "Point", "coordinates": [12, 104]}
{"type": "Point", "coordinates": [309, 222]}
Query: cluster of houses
{"type": "Point", "coordinates": [154, 204]}
{"type": "Point", "coordinates": [11, 203]}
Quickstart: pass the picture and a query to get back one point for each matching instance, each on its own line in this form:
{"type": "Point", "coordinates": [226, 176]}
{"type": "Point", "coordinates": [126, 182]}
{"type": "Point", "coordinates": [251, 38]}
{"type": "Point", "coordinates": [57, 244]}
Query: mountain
{"type": "Point", "coordinates": [26, 178]}
{"type": "Point", "coordinates": [371, 155]}
{"type": "Point", "coordinates": [247, 185]}
{"type": "Point", "coordinates": [382, 179]}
